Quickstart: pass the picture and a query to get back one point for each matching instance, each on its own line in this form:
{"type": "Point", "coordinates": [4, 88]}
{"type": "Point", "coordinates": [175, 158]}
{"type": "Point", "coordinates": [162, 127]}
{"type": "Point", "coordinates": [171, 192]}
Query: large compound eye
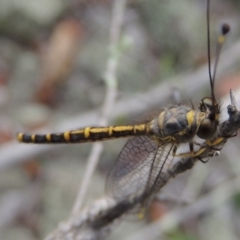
{"type": "Point", "coordinates": [206, 104]}
{"type": "Point", "coordinates": [206, 129]}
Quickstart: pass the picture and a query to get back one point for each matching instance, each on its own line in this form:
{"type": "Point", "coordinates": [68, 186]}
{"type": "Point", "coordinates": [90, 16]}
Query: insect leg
{"type": "Point", "coordinates": [191, 153]}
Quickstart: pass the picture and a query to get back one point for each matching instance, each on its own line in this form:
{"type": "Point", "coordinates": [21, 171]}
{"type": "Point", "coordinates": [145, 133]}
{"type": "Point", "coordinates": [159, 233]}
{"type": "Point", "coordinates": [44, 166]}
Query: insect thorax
{"type": "Point", "coordinates": [177, 124]}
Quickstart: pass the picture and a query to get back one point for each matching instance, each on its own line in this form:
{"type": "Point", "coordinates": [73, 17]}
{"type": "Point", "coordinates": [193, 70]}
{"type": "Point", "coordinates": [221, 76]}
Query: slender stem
{"type": "Point", "coordinates": [111, 92]}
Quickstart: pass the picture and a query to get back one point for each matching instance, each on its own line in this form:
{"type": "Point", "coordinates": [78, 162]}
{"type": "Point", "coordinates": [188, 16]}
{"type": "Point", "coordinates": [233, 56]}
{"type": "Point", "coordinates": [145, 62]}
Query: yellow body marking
{"type": "Point", "coordinates": [20, 137]}
{"type": "Point", "coordinates": [135, 129]}
{"type": "Point", "coordinates": [86, 132]}
{"type": "Point", "coordinates": [161, 120]}
{"type": "Point", "coordinates": [48, 137]}
{"type": "Point", "coordinates": [122, 128]}
{"type": "Point", "coordinates": [110, 130]}
{"type": "Point", "coordinates": [66, 136]}
{"type": "Point", "coordinates": [190, 117]}
{"type": "Point", "coordinates": [98, 130]}
{"type": "Point", "coordinates": [139, 128]}
{"type": "Point", "coordinates": [33, 138]}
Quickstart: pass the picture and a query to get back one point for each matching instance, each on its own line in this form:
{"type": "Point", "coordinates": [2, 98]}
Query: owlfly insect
{"type": "Point", "coordinates": [154, 144]}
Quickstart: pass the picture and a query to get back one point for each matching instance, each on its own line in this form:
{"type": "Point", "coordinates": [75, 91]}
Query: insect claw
{"type": "Point", "coordinates": [203, 161]}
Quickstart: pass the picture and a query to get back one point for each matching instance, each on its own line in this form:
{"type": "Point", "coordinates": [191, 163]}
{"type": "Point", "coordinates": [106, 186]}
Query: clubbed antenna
{"type": "Point", "coordinates": [224, 30]}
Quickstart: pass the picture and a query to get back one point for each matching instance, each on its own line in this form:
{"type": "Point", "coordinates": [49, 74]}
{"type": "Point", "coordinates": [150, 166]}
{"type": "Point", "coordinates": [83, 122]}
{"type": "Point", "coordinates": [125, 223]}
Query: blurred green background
{"type": "Point", "coordinates": [53, 57]}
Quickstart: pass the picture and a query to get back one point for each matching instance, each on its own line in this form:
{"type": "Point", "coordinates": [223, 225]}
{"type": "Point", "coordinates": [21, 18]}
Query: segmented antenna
{"type": "Point", "coordinates": [221, 38]}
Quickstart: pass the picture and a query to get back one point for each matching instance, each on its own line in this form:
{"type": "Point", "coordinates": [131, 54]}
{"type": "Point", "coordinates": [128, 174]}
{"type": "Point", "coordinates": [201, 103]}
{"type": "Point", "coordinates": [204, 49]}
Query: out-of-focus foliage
{"type": "Point", "coordinates": [53, 57]}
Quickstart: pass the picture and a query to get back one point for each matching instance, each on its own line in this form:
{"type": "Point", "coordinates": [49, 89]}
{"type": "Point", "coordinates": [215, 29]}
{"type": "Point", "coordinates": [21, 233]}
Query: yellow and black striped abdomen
{"type": "Point", "coordinates": [88, 134]}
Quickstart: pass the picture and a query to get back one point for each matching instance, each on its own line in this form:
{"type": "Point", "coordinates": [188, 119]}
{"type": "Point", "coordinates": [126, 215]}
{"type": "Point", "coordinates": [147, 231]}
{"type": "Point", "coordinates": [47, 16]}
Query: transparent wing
{"type": "Point", "coordinates": [138, 167]}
